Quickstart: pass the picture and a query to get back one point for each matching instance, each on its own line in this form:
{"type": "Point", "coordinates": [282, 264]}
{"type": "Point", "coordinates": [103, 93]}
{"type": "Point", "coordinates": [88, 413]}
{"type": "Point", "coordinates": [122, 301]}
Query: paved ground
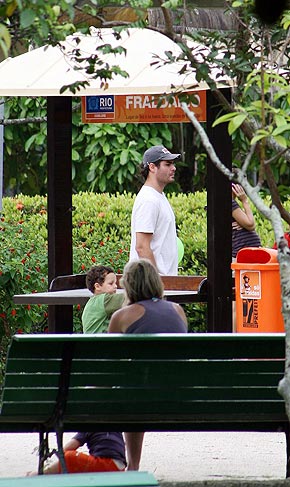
{"type": "Point", "coordinates": [201, 459]}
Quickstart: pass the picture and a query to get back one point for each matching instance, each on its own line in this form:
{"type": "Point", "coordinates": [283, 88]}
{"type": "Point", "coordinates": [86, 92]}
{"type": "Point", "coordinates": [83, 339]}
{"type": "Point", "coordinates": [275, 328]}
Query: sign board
{"type": "Point", "coordinates": [139, 109]}
{"type": "Point", "coordinates": [250, 284]}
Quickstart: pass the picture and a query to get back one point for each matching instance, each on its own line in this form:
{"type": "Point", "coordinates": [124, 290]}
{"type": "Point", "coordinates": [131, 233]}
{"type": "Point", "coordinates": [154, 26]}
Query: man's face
{"type": "Point", "coordinates": [165, 173]}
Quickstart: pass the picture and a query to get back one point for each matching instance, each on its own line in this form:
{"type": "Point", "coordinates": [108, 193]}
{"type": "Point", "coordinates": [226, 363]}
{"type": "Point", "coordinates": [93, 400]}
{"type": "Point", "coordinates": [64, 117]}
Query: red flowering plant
{"type": "Point", "coordinates": [23, 267]}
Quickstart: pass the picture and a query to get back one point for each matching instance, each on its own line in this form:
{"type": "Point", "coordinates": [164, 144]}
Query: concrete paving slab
{"type": "Point", "coordinates": [181, 459]}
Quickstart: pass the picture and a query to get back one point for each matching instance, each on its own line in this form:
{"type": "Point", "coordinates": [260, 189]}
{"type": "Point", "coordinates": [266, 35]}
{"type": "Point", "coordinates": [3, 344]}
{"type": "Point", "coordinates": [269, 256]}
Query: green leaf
{"type": "Point", "coordinates": [27, 18]}
{"type": "Point", "coordinates": [75, 155]}
{"type": "Point", "coordinates": [236, 122]}
{"type": "Point", "coordinates": [29, 142]}
{"type": "Point", "coordinates": [280, 120]}
{"type": "Point", "coordinates": [124, 157]}
{"type": "Point", "coordinates": [102, 183]}
{"type": "Point", "coordinates": [91, 176]}
{"type": "Point", "coordinates": [106, 148]}
{"type": "Point", "coordinates": [120, 177]}
{"type": "Point", "coordinates": [4, 34]}
{"type": "Point", "coordinates": [282, 141]}
{"type": "Point", "coordinates": [44, 28]}
{"type": "Point", "coordinates": [257, 138]}
{"type": "Point", "coordinates": [131, 168]}
{"type": "Point", "coordinates": [224, 118]}
{"type": "Point", "coordinates": [282, 128]}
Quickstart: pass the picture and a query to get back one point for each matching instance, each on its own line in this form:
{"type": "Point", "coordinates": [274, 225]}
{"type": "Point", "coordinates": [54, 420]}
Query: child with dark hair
{"type": "Point", "coordinates": [102, 282]}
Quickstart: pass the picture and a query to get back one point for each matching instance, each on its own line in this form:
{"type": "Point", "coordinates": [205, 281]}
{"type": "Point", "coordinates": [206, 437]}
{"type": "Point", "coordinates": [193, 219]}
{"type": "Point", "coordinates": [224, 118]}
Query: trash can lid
{"type": "Point", "coordinates": [257, 255]}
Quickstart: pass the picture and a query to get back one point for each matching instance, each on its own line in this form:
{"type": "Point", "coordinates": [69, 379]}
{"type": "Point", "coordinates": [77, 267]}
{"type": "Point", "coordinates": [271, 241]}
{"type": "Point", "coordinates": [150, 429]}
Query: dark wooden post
{"type": "Point", "coordinates": [59, 162]}
{"type": "Point", "coordinates": [219, 234]}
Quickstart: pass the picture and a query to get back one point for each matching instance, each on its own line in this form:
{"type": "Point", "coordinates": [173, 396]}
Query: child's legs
{"type": "Point", "coordinates": [78, 462]}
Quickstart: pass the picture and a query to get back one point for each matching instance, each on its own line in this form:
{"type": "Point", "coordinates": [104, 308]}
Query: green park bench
{"type": "Point", "coordinates": [103, 382]}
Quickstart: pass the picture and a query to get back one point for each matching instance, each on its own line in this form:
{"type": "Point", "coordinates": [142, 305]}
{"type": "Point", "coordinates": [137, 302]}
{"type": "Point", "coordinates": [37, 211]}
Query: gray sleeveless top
{"type": "Point", "coordinates": [160, 317]}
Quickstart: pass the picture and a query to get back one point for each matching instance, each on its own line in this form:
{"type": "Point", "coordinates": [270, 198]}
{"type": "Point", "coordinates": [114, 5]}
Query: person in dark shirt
{"type": "Point", "coordinates": [243, 223]}
{"type": "Point", "coordinates": [106, 454]}
{"type": "Point", "coordinates": [146, 312]}
{"type": "Point", "coordinates": [243, 229]}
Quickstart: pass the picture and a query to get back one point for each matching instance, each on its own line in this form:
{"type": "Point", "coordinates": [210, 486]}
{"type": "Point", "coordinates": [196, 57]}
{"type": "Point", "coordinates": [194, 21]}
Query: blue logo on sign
{"type": "Point", "coordinates": [100, 104]}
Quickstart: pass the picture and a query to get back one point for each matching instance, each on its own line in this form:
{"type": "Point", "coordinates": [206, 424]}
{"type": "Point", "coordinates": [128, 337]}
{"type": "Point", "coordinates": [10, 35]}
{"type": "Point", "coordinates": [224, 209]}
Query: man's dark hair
{"type": "Point", "coordinates": [144, 169]}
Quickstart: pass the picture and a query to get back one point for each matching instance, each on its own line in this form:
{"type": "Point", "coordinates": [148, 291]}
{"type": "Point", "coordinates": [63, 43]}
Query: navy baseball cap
{"type": "Point", "coordinates": [158, 153]}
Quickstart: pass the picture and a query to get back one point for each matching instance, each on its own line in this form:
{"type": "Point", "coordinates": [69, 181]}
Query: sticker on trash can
{"type": "Point", "coordinates": [250, 284]}
{"type": "Point", "coordinates": [250, 313]}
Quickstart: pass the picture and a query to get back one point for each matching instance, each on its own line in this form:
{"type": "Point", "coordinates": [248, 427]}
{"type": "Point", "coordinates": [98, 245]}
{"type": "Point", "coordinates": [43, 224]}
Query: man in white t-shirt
{"type": "Point", "coordinates": [153, 229]}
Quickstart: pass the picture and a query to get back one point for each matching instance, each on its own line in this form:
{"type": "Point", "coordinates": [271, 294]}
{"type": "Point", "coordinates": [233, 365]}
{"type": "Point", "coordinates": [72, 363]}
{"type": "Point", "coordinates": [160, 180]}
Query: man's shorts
{"type": "Point", "coordinates": [78, 462]}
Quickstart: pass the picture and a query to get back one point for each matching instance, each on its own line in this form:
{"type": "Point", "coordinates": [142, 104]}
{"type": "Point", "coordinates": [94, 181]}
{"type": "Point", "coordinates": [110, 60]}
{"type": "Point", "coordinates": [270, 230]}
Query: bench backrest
{"type": "Point", "coordinates": [78, 281]}
{"type": "Point", "coordinates": [157, 381]}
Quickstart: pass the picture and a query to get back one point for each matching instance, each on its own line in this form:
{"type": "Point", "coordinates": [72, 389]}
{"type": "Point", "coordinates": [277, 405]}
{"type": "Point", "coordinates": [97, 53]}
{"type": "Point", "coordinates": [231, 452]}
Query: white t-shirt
{"type": "Point", "coordinates": [152, 213]}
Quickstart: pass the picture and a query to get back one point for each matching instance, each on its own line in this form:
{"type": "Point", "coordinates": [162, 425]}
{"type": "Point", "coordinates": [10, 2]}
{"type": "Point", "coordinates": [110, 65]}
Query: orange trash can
{"type": "Point", "coordinates": [258, 291]}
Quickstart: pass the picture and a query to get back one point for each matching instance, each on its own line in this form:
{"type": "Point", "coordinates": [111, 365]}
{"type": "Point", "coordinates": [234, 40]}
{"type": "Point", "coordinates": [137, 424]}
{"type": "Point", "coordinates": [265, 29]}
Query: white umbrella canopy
{"type": "Point", "coordinates": [44, 71]}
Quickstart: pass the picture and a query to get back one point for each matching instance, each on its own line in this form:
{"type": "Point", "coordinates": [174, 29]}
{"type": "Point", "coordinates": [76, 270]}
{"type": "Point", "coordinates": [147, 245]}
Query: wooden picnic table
{"type": "Point", "coordinates": [70, 290]}
{"type": "Point", "coordinates": [81, 296]}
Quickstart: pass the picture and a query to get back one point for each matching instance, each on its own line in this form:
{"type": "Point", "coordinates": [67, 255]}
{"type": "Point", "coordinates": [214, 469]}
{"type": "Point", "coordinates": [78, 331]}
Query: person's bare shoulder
{"type": "Point", "coordinates": [180, 311]}
{"type": "Point", "coordinates": [124, 317]}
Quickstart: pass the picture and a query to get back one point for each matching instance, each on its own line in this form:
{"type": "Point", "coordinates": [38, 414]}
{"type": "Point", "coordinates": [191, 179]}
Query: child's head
{"type": "Point", "coordinates": [101, 279]}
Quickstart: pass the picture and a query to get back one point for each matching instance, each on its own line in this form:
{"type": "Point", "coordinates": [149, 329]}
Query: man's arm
{"type": "Point", "coordinates": [143, 247]}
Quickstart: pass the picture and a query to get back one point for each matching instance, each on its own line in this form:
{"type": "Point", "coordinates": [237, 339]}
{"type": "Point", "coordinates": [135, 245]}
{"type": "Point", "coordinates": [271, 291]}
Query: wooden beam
{"type": "Point", "coordinates": [219, 227]}
{"type": "Point", "coordinates": [59, 163]}
{"type": "Point", "coordinates": [193, 18]}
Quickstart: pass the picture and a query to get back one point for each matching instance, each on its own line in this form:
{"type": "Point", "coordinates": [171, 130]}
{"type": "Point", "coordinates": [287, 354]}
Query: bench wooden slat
{"type": "Point", "coordinates": [156, 393]}
{"type": "Point", "coordinates": [94, 413]}
{"type": "Point", "coordinates": [185, 346]}
{"type": "Point", "coordinates": [108, 365]}
{"type": "Point", "coordinates": [41, 373]}
{"type": "Point", "coordinates": [257, 378]}
{"type": "Point", "coordinates": [30, 379]}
